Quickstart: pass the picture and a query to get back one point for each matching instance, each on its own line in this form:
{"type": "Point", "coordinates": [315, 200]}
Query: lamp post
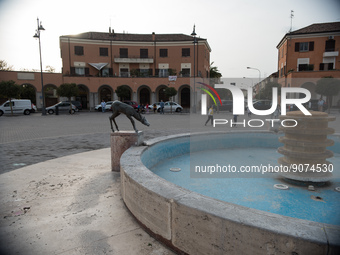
{"type": "Point", "coordinates": [259, 79]}
{"type": "Point", "coordinates": [195, 41]}
{"type": "Point", "coordinates": [37, 35]}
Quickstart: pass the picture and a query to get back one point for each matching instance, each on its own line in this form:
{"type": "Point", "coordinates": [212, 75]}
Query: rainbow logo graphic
{"type": "Point", "coordinates": [213, 90]}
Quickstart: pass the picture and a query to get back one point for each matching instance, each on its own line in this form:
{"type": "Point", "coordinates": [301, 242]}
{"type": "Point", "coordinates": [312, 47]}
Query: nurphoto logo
{"type": "Point", "coordinates": [238, 103]}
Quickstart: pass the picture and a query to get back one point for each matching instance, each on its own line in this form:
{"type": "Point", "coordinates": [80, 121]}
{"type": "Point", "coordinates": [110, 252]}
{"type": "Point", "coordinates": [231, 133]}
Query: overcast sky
{"type": "Point", "coordinates": [240, 33]}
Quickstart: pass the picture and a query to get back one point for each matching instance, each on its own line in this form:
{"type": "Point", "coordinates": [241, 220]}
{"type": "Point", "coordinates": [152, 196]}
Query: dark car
{"type": "Point", "coordinates": [311, 105]}
{"type": "Point", "coordinates": [77, 104]}
{"type": "Point", "coordinates": [262, 104]}
{"type": "Point", "coordinates": [132, 103]}
{"type": "Point", "coordinates": [227, 105]}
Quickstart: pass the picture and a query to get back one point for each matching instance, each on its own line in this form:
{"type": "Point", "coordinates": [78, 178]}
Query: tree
{"type": "Point", "coordinates": [50, 69]}
{"type": "Point", "coordinates": [9, 89]}
{"type": "Point", "coordinates": [28, 91]}
{"type": "Point", "coordinates": [267, 91]}
{"type": "Point", "coordinates": [170, 92]}
{"type": "Point", "coordinates": [123, 92]}
{"type": "Point", "coordinates": [329, 87]}
{"type": "Point", "coordinates": [68, 90]}
{"type": "Point", "coordinates": [214, 73]}
{"type": "Point", "coordinates": [4, 66]}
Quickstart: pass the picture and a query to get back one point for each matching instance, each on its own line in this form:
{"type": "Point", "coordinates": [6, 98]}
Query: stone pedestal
{"type": "Point", "coordinates": [305, 145]}
{"type": "Point", "coordinates": [120, 142]}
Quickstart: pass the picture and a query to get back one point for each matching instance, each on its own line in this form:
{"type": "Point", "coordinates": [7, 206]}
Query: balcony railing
{"type": "Point", "coordinates": [133, 59]}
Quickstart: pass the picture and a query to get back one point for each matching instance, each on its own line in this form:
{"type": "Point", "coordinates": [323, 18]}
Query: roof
{"type": "Point", "coordinates": [133, 37]}
{"type": "Point", "coordinates": [317, 28]}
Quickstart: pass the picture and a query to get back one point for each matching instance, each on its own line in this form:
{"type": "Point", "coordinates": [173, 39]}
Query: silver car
{"type": "Point", "coordinates": [108, 105]}
{"type": "Point", "coordinates": [62, 107]}
{"type": "Point", "coordinates": [168, 107]}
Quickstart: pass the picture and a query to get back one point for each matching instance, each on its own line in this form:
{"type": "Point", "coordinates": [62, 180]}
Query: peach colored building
{"type": "Point", "coordinates": [100, 62]}
{"type": "Point", "coordinates": [308, 54]}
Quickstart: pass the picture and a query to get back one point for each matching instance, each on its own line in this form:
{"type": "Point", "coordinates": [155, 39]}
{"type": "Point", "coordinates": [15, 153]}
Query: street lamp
{"type": "Point", "coordinates": [195, 41]}
{"type": "Point", "coordinates": [37, 35]}
{"type": "Point", "coordinates": [259, 79]}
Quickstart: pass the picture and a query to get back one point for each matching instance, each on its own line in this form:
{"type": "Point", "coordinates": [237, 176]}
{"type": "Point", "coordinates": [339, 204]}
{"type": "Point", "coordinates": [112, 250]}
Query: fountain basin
{"type": "Point", "coordinates": [198, 224]}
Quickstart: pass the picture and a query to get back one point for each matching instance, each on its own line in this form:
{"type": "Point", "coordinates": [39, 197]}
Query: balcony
{"type": "Point", "coordinates": [133, 59]}
{"type": "Point", "coordinates": [331, 54]}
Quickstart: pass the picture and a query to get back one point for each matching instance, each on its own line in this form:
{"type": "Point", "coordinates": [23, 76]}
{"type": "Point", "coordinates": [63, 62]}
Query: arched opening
{"type": "Point", "coordinates": [161, 93]}
{"type": "Point", "coordinates": [28, 92]}
{"type": "Point", "coordinates": [83, 95]}
{"type": "Point", "coordinates": [185, 97]}
{"type": "Point", "coordinates": [105, 93]}
{"type": "Point", "coordinates": [51, 96]}
{"type": "Point", "coordinates": [144, 95]}
{"type": "Point", "coordinates": [123, 92]}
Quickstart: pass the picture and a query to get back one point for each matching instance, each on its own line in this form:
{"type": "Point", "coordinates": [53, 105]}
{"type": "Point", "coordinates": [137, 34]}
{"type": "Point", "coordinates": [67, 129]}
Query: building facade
{"type": "Point", "coordinates": [308, 54]}
{"type": "Point", "coordinates": [101, 62]}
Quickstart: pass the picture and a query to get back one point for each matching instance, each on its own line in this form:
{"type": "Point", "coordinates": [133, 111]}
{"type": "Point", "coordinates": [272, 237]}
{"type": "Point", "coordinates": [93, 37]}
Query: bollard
{"type": "Point", "coordinates": [120, 142]}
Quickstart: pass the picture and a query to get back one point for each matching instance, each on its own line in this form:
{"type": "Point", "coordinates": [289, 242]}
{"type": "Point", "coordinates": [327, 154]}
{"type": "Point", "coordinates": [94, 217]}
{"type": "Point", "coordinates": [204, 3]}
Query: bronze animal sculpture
{"type": "Point", "coordinates": [119, 107]}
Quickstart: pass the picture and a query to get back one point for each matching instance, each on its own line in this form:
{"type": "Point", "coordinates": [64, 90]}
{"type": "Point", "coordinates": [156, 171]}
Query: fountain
{"type": "Point", "coordinates": [237, 214]}
{"type": "Point", "coordinates": [305, 145]}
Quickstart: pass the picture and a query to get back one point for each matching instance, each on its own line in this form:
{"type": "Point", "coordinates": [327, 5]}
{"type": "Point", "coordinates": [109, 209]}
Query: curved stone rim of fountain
{"type": "Point", "coordinates": [195, 224]}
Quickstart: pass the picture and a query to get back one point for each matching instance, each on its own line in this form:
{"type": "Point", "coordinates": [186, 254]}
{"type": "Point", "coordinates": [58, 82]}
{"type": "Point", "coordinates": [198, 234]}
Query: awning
{"type": "Point", "coordinates": [98, 66]}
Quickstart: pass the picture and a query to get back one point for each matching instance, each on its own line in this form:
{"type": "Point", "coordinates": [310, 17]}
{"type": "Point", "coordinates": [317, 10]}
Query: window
{"type": "Point", "coordinates": [105, 72]}
{"type": "Point", "coordinates": [306, 67]}
{"type": "Point", "coordinates": [143, 53]}
{"type": "Point", "coordinates": [326, 66]}
{"type": "Point", "coordinates": [144, 72]}
{"type": "Point", "coordinates": [186, 52]}
{"type": "Point", "coordinates": [186, 72]}
{"type": "Point", "coordinates": [124, 72]}
{"type": "Point", "coordinates": [80, 70]}
{"type": "Point", "coordinates": [103, 52]}
{"type": "Point", "coordinates": [163, 53]}
{"type": "Point", "coordinates": [304, 46]}
{"type": "Point", "coordinates": [79, 50]}
{"type": "Point", "coordinates": [123, 53]}
{"type": "Point", "coordinates": [163, 73]}
{"type": "Point", "coordinates": [330, 45]}
{"type": "Point", "coordinates": [8, 104]}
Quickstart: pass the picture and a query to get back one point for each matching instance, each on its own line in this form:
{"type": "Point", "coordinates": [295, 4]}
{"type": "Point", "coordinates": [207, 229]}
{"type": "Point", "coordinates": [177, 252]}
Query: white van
{"type": "Point", "coordinates": [19, 106]}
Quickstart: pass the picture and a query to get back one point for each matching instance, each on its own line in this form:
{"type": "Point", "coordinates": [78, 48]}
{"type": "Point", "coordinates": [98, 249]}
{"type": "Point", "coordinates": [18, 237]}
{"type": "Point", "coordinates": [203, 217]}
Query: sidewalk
{"type": "Point", "coordinates": [69, 205]}
{"type": "Point", "coordinates": [72, 204]}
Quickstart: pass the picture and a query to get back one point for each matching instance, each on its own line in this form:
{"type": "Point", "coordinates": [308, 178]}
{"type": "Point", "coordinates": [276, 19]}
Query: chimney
{"type": "Point", "coordinates": [111, 32]}
{"type": "Point", "coordinates": [153, 36]}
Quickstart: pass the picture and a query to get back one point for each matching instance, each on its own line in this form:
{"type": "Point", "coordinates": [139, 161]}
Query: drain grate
{"type": "Point", "coordinates": [281, 186]}
{"type": "Point", "coordinates": [175, 169]}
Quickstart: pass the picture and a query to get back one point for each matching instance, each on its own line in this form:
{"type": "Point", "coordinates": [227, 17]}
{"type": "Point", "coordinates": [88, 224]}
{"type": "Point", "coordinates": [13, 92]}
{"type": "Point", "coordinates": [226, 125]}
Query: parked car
{"type": "Point", "coordinates": [311, 105]}
{"type": "Point", "coordinates": [62, 107]}
{"type": "Point", "coordinates": [21, 106]}
{"type": "Point", "coordinates": [107, 106]}
{"type": "Point", "coordinates": [227, 105]}
{"type": "Point", "coordinates": [132, 103]}
{"type": "Point", "coordinates": [157, 106]}
{"type": "Point", "coordinates": [77, 104]}
{"type": "Point", "coordinates": [167, 107]}
{"type": "Point", "coordinates": [262, 104]}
